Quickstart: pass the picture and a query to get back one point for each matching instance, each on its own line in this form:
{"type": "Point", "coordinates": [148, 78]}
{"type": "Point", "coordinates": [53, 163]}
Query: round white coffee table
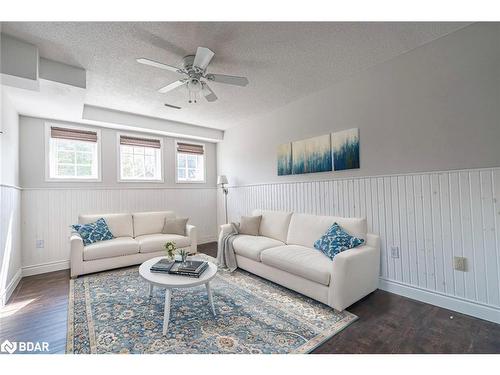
{"type": "Point", "coordinates": [170, 282]}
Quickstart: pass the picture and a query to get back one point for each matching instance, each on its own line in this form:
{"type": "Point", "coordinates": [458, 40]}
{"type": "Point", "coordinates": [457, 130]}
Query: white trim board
{"type": "Point", "coordinates": [472, 308]}
{"type": "Point", "coordinates": [206, 239]}
{"type": "Point", "coordinates": [7, 293]}
{"type": "Point", "coordinates": [45, 267]}
{"type": "Point", "coordinates": [339, 177]}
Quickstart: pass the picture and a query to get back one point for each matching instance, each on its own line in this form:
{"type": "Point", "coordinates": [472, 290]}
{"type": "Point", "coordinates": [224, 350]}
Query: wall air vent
{"type": "Point", "coordinates": [172, 106]}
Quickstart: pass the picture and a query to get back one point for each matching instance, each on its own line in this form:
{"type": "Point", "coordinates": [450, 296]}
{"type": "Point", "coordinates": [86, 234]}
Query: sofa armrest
{"type": "Point", "coordinates": [192, 233]}
{"type": "Point", "coordinates": [373, 240]}
{"type": "Point", "coordinates": [225, 229]}
{"type": "Point", "coordinates": [76, 254]}
{"type": "Point", "coordinates": [355, 274]}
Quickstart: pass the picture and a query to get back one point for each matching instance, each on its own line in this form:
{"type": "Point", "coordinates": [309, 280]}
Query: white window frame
{"type": "Point", "coordinates": [119, 163]}
{"type": "Point", "coordinates": [48, 178]}
{"type": "Point", "coordinates": [177, 181]}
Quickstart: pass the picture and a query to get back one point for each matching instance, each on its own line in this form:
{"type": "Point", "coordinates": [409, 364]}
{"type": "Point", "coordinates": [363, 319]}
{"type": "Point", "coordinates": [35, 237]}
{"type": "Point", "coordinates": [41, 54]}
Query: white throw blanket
{"type": "Point", "coordinates": [225, 252]}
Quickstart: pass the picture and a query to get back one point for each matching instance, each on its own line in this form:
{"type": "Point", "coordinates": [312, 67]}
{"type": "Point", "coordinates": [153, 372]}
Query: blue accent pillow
{"type": "Point", "coordinates": [94, 232]}
{"type": "Point", "coordinates": [336, 240]}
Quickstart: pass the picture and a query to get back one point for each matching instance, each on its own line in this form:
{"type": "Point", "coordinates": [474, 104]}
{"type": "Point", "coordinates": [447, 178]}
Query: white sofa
{"type": "Point", "coordinates": [283, 253]}
{"type": "Point", "coordinates": [138, 237]}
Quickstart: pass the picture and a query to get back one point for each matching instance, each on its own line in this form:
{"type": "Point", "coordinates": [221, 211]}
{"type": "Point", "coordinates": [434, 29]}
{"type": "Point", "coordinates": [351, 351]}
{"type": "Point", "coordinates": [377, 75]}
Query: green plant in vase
{"type": "Point", "coordinates": [184, 254]}
{"type": "Point", "coordinates": [170, 249]}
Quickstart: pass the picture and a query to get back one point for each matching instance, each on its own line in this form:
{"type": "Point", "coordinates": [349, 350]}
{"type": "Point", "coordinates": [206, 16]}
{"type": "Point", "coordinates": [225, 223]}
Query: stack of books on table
{"type": "Point", "coordinates": [191, 268]}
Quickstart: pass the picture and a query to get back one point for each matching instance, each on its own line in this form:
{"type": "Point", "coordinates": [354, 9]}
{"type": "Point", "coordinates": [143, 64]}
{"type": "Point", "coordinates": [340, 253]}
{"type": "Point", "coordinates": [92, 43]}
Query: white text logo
{"type": "Point", "coordinates": [24, 346]}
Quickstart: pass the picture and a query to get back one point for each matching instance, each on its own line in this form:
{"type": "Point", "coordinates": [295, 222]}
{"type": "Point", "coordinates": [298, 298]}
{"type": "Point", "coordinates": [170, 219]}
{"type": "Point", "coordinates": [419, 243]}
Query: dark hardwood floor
{"type": "Point", "coordinates": [388, 323]}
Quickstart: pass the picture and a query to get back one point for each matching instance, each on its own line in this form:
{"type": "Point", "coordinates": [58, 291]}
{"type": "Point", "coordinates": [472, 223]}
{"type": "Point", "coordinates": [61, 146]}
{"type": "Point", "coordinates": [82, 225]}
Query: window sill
{"type": "Point", "coordinates": [141, 181]}
{"type": "Point", "coordinates": [190, 182]}
{"type": "Point", "coordinates": [52, 179]}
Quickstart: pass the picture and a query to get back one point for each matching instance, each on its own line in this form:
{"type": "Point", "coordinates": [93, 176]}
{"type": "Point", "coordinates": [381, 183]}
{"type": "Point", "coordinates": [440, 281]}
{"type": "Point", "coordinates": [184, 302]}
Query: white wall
{"type": "Point", "coordinates": [10, 201]}
{"type": "Point", "coordinates": [435, 108]}
{"type": "Point", "coordinates": [49, 208]}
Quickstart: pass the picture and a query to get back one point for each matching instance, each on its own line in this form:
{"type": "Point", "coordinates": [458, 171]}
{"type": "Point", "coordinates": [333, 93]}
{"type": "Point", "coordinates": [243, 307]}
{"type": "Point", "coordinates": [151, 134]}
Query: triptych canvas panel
{"type": "Point", "coordinates": [331, 152]}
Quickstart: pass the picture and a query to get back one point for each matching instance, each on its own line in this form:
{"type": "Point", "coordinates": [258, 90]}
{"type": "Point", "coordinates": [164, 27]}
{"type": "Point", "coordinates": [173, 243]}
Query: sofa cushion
{"type": "Point", "coordinates": [150, 222]}
{"type": "Point", "coordinates": [305, 229]}
{"type": "Point", "coordinates": [274, 224]}
{"type": "Point", "coordinates": [251, 246]}
{"type": "Point", "coordinates": [112, 248]}
{"type": "Point", "coordinates": [250, 225]}
{"type": "Point", "coordinates": [150, 243]}
{"type": "Point", "coordinates": [120, 225]}
{"type": "Point", "coordinates": [300, 261]}
{"type": "Point", "coordinates": [175, 226]}
{"type": "Point", "coordinates": [93, 232]}
{"type": "Point", "coordinates": [336, 240]}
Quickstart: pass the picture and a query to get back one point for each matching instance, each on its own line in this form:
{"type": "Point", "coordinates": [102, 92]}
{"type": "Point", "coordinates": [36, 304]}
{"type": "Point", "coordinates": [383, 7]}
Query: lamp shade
{"type": "Point", "coordinates": [222, 180]}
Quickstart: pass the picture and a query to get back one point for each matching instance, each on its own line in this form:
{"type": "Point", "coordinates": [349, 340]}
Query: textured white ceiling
{"type": "Point", "coordinates": [283, 61]}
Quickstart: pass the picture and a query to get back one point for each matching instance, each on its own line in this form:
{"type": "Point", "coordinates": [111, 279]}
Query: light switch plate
{"type": "Point", "coordinates": [460, 264]}
{"type": "Point", "coordinates": [394, 252]}
{"type": "Point", "coordinates": [39, 244]}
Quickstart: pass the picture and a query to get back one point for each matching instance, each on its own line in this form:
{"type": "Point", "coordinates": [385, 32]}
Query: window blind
{"type": "Point", "coordinates": [187, 148]}
{"type": "Point", "coordinates": [141, 142]}
{"type": "Point", "coordinates": [74, 134]}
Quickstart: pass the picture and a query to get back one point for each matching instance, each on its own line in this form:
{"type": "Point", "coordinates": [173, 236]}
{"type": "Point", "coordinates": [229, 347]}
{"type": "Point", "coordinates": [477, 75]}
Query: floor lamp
{"type": "Point", "coordinates": [222, 181]}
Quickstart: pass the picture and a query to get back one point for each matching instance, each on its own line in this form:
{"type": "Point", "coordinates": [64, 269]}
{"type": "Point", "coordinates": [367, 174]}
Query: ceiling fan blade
{"type": "Point", "coordinates": [230, 80]}
{"type": "Point", "coordinates": [172, 86]}
{"type": "Point", "coordinates": [208, 93]}
{"type": "Point", "coordinates": [203, 57]}
{"type": "Point", "coordinates": [157, 64]}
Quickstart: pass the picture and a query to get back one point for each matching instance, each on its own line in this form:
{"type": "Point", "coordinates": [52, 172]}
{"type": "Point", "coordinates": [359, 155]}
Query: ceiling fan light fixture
{"type": "Point", "coordinates": [194, 86]}
{"type": "Point", "coordinates": [195, 75]}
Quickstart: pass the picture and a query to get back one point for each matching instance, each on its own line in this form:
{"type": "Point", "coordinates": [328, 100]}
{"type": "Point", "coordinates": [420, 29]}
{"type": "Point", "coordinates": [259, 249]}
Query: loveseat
{"type": "Point", "coordinates": [283, 252]}
{"type": "Point", "coordinates": [138, 237]}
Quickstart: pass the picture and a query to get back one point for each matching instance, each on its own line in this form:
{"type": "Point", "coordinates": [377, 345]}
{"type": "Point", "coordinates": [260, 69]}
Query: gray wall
{"type": "Point", "coordinates": [9, 143]}
{"type": "Point", "coordinates": [32, 161]}
{"type": "Point", "coordinates": [434, 108]}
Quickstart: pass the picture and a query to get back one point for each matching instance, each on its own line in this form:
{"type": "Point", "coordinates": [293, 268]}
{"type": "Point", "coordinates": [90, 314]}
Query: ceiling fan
{"type": "Point", "coordinates": [194, 69]}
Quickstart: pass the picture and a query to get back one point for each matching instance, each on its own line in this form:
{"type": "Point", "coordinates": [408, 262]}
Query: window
{"type": "Point", "coordinates": [140, 159]}
{"type": "Point", "coordinates": [73, 153]}
{"type": "Point", "coordinates": [190, 162]}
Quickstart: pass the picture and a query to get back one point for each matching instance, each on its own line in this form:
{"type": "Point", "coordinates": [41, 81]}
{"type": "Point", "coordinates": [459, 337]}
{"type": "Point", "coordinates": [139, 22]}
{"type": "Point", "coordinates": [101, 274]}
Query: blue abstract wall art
{"type": "Point", "coordinates": [345, 149]}
{"type": "Point", "coordinates": [312, 155]}
{"type": "Point", "coordinates": [285, 159]}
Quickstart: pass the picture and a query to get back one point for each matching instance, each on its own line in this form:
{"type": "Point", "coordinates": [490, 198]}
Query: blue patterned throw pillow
{"type": "Point", "coordinates": [94, 232]}
{"type": "Point", "coordinates": [336, 240]}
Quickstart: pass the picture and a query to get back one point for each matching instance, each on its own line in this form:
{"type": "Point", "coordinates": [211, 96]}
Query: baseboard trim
{"type": "Point", "coordinates": [207, 239]}
{"type": "Point", "coordinates": [7, 293]}
{"type": "Point", "coordinates": [475, 309]}
{"type": "Point", "coordinates": [45, 267]}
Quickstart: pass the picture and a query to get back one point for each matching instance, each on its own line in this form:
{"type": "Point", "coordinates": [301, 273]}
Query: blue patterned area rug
{"type": "Point", "coordinates": [110, 312]}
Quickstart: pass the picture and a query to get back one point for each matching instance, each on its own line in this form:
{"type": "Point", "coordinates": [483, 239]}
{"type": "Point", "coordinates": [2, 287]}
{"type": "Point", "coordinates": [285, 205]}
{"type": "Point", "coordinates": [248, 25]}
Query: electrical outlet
{"type": "Point", "coordinates": [39, 244]}
{"type": "Point", "coordinates": [460, 263]}
{"type": "Point", "coordinates": [394, 251]}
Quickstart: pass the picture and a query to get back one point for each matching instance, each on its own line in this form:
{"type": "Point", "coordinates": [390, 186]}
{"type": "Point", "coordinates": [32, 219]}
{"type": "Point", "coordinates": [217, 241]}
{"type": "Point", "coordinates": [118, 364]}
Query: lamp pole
{"type": "Point", "coordinates": [225, 190]}
{"type": "Point", "coordinates": [223, 182]}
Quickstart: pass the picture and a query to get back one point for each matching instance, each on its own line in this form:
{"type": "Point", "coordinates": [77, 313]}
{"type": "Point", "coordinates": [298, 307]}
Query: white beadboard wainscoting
{"type": "Point", "coordinates": [431, 217]}
{"type": "Point", "coordinates": [48, 213]}
{"type": "Point", "coordinates": [10, 240]}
